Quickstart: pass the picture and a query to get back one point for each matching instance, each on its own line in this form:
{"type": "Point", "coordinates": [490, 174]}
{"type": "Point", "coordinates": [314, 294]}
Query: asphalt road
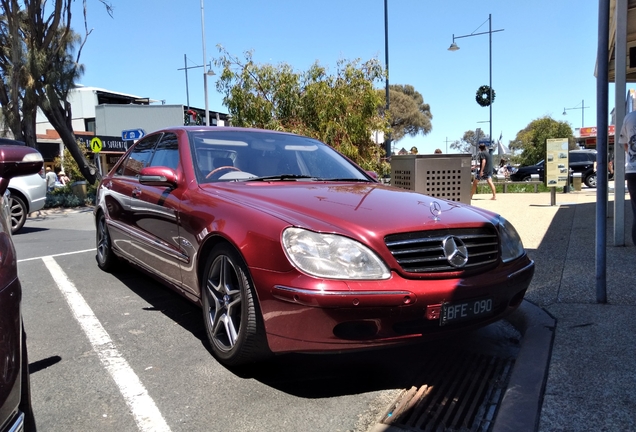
{"type": "Point", "coordinates": [119, 352]}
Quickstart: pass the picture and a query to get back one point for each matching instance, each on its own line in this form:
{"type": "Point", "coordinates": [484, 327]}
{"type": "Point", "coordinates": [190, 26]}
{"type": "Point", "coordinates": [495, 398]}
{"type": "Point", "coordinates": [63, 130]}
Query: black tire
{"type": "Point", "coordinates": [106, 258]}
{"type": "Point", "coordinates": [230, 309]}
{"type": "Point", "coordinates": [18, 211]}
{"type": "Point", "coordinates": [590, 181]}
{"type": "Point", "coordinates": [527, 179]}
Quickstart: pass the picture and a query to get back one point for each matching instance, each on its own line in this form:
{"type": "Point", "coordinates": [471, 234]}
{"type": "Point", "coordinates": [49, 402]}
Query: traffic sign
{"type": "Point", "coordinates": [132, 134]}
{"type": "Point", "coordinates": [96, 145]}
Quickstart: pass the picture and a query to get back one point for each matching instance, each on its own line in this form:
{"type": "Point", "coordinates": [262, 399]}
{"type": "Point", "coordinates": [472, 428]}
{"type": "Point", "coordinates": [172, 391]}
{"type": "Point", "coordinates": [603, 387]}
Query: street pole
{"type": "Point", "coordinates": [205, 75]}
{"type": "Point", "coordinates": [490, 31]}
{"type": "Point", "coordinates": [490, 71]}
{"type": "Point", "coordinates": [210, 72]}
{"type": "Point", "coordinates": [185, 61]}
{"type": "Point", "coordinates": [582, 108]}
{"type": "Point", "coordinates": [387, 140]}
{"type": "Point", "coordinates": [582, 113]}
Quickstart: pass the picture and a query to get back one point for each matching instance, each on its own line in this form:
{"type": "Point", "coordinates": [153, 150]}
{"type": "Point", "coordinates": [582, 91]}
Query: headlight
{"type": "Point", "coordinates": [511, 244]}
{"type": "Point", "coordinates": [332, 256]}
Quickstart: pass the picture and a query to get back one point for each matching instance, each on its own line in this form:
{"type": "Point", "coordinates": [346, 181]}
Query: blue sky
{"type": "Point", "coordinates": [543, 60]}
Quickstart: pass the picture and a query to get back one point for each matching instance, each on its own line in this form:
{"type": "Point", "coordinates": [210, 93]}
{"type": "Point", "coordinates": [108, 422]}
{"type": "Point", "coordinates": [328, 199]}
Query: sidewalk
{"type": "Point", "coordinates": [590, 381]}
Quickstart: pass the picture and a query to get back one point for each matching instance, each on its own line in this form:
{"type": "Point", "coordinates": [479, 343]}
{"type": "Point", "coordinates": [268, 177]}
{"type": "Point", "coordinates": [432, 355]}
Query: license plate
{"type": "Point", "coordinates": [455, 312]}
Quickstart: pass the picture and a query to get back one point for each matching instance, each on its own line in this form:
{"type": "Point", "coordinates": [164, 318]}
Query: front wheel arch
{"type": "Point", "coordinates": [105, 257]}
{"type": "Point", "coordinates": [231, 311]}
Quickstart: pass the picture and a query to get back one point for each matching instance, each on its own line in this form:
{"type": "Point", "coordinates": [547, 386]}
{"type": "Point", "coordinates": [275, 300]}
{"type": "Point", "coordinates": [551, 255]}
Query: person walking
{"type": "Point", "coordinates": [484, 171]}
{"type": "Point", "coordinates": [51, 178]}
{"type": "Point", "coordinates": [628, 139]}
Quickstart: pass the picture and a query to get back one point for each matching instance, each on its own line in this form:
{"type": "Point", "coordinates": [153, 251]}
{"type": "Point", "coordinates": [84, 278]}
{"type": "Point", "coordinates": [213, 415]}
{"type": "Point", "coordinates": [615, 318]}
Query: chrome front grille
{"type": "Point", "coordinates": [422, 251]}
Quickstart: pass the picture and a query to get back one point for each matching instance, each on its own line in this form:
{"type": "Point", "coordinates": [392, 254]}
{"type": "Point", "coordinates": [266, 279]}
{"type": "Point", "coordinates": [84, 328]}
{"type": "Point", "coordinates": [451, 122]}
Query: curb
{"type": "Point", "coordinates": [52, 211]}
{"type": "Point", "coordinates": [520, 408]}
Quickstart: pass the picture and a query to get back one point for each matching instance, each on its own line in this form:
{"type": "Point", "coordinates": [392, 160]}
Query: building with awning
{"type": "Point", "coordinates": [101, 115]}
{"type": "Point", "coordinates": [586, 136]}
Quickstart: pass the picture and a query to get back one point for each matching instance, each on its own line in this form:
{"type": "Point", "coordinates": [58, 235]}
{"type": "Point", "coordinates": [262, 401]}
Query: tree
{"type": "Point", "coordinates": [532, 140]}
{"type": "Point", "coordinates": [414, 150]}
{"type": "Point", "coordinates": [340, 110]}
{"type": "Point", "coordinates": [469, 141]}
{"type": "Point", "coordinates": [37, 69]}
{"type": "Point", "coordinates": [408, 114]}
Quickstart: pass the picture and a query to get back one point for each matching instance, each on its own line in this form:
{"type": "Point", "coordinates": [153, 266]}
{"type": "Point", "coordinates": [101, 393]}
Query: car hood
{"type": "Point", "coordinates": [360, 210]}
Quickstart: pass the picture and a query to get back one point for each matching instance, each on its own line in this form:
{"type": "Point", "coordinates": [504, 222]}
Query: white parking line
{"type": "Point", "coordinates": [144, 410]}
{"type": "Point", "coordinates": [55, 255]}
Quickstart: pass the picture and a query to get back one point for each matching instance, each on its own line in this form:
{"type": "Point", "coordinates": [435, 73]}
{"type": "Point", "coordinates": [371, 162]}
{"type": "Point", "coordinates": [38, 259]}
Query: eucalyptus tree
{"type": "Point", "coordinates": [531, 141]}
{"type": "Point", "coordinates": [38, 69]}
{"type": "Point", "coordinates": [408, 114]}
{"type": "Point", "coordinates": [340, 109]}
{"type": "Point", "coordinates": [468, 142]}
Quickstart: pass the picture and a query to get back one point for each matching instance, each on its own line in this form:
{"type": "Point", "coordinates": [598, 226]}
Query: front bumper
{"type": "Point", "coordinates": [336, 315]}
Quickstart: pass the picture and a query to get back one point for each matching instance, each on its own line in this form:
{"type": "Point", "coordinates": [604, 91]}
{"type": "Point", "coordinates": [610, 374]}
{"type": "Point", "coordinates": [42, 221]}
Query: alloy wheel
{"type": "Point", "coordinates": [224, 296]}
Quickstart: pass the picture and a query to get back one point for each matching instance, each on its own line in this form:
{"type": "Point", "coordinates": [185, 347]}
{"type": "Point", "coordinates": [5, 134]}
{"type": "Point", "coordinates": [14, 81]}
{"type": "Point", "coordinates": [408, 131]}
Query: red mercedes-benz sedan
{"type": "Point", "coordinates": [289, 246]}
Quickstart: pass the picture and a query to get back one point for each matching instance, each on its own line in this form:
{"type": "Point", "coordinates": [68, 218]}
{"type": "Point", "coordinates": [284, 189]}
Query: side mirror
{"type": "Point", "coordinates": [372, 174]}
{"type": "Point", "coordinates": [16, 161]}
{"type": "Point", "coordinates": [158, 176]}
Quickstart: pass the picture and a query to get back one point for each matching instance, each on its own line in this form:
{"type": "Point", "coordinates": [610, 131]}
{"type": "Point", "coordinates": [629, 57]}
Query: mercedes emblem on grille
{"type": "Point", "coordinates": [455, 251]}
{"type": "Point", "coordinates": [436, 210]}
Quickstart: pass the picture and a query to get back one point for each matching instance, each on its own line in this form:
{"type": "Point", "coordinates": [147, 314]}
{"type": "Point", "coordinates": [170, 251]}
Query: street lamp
{"type": "Point", "coordinates": [185, 60]}
{"type": "Point", "coordinates": [490, 31]}
{"type": "Point", "coordinates": [582, 108]}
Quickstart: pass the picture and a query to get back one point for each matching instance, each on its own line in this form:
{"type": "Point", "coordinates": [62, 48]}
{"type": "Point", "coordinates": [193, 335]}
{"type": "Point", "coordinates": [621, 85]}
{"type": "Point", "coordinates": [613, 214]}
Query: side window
{"type": "Point", "coordinates": [167, 152]}
{"type": "Point", "coordinates": [139, 157]}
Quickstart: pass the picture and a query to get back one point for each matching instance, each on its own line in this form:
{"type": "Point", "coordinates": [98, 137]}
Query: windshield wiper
{"type": "Point", "coordinates": [281, 177]}
{"type": "Point", "coordinates": [345, 180]}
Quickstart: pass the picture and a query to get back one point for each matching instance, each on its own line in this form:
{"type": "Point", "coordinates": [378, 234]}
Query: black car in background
{"type": "Point", "coordinates": [16, 413]}
{"type": "Point", "coordinates": [580, 161]}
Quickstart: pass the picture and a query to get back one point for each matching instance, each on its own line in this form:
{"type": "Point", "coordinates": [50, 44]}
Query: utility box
{"type": "Point", "coordinates": [446, 176]}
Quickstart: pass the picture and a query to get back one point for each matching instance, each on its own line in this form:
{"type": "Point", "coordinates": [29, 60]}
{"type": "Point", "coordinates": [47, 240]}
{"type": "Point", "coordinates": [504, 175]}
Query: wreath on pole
{"type": "Point", "coordinates": [483, 96]}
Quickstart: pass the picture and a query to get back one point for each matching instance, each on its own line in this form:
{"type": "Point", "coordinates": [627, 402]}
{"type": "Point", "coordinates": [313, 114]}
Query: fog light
{"type": "Point", "coordinates": [356, 330]}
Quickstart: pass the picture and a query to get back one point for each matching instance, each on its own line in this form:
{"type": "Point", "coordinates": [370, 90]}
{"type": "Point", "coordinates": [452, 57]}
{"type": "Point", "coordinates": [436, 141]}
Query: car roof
{"type": "Point", "coordinates": [8, 141]}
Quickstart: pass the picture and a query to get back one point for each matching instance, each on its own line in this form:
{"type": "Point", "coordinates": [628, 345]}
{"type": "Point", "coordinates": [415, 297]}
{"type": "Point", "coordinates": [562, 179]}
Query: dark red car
{"type": "Point", "coordinates": [289, 246]}
{"type": "Point", "coordinates": [15, 397]}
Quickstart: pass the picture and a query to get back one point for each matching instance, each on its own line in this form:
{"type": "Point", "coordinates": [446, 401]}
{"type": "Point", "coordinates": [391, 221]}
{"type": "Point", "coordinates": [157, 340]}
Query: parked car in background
{"type": "Point", "coordinates": [289, 246]}
{"type": "Point", "coordinates": [28, 194]}
{"type": "Point", "coordinates": [525, 173]}
{"type": "Point", "coordinates": [582, 161]}
{"type": "Point", "coordinates": [579, 161]}
{"type": "Point", "coordinates": [16, 413]}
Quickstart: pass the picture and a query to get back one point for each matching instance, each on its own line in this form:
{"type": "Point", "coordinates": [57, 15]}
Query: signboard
{"type": "Point", "coordinates": [101, 143]}
{"type": "Point", "coordinates": [556, 162]}
{"type": "Point", "coordinates": [591, 131]}
{"type": "Point", "coordinates": [132, 134]}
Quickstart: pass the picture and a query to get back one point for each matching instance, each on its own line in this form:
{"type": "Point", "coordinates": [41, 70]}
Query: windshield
{"type": "Point", "coordinates": [236, 155]}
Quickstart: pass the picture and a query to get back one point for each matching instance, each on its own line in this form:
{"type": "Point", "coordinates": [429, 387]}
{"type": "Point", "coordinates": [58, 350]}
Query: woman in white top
{"type": "Point", "coordinates": [628, 139]}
